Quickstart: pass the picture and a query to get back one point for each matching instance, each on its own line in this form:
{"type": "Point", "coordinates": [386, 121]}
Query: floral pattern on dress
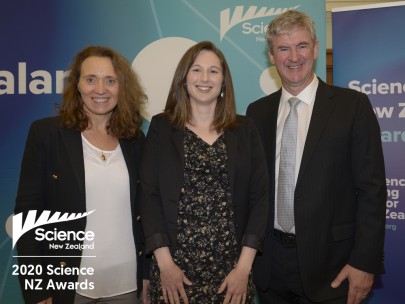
{"type": "Point", "coordinates": [207, 249]}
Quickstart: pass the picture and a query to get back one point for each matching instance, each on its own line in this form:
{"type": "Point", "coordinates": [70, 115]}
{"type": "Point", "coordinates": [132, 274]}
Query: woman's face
{"type": "Point", "coordinates": [204, 79]}
{"type": "Point", "coordinates": [98, 86]}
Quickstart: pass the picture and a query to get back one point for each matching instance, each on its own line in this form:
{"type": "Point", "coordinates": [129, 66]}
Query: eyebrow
{"type": "Point", "coordinates": [298, 44]}
{"type": "Point", "coordinates": [95, 76]}
{"type": "Point", "coordinates": [210, 67]}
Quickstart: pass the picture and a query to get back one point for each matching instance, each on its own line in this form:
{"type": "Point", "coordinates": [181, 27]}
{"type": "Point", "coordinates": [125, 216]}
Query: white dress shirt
{"type": "Point", "coordinates": [304, 109]}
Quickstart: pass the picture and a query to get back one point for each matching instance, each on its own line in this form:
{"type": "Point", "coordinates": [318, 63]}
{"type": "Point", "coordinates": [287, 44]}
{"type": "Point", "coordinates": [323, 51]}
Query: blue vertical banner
{"type": "Point", "coordinates": [368, 56]}
{"type": "Point", "coordinates": [39, 41]}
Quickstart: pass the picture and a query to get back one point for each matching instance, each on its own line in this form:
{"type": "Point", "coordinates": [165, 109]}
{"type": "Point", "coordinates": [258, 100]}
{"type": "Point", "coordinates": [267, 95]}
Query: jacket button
{"type": "Point", "coordinates": [55, 177]}
{"type": "Point", "coordinates": [140, 253]}
{"type": "Point", "coordinates": [138, 181]}
{"type": "Point", "coordinates": [138, 218]}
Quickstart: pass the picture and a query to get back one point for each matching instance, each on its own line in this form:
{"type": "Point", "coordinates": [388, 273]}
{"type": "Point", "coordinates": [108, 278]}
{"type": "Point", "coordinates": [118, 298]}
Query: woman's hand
{"type": "Point", "coordinates": [236, 281]}
{"type": "Point", "coordinates": [47, 301]}
{"type": "Point", "coordinates": [235, 284]}
{"type": "Point", "coordinates": [172, 278]}
{"type": "Point", "coordinates": [145, 295]}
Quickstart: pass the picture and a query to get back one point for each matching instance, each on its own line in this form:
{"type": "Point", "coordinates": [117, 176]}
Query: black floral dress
{"type": "Point", "coordinates": [207, 249]}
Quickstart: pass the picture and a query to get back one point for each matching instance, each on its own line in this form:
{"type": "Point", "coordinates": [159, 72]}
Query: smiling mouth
{"type": "Point", "coordinates": [204, 88]}
{"type": "Point", "coordinates": [100, 100]}
{"type": "Point", "coordinates": [295, 67]}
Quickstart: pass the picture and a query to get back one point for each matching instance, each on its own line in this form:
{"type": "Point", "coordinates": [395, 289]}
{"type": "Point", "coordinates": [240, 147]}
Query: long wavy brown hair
{"type": "Point", "coordinates": [125, 121]}
{"type": "Point", "coordinates": [178, 107]}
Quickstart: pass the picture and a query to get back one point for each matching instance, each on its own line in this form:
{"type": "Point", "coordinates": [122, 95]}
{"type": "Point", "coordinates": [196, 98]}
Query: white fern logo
{"type": "Point", "coordinates": [19, 228]}
{"type": "Point", "coordinates": [227, 22]}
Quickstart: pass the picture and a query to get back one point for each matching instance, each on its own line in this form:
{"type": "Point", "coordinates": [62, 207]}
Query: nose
{"type": "Point", "coordinates": [204, 76]}
{"type": "Point", "coordinates": [100, 87]}
{"type": "Point", "coordinates": [293, 54]}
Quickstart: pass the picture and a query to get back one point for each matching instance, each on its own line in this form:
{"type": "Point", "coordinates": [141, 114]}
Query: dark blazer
{"type": "Point", "coordinates": [340, 194]}
{"type": "Point", "coordinates": [162, 176]}
{"type": "Point", "coordinates": [53, 178]}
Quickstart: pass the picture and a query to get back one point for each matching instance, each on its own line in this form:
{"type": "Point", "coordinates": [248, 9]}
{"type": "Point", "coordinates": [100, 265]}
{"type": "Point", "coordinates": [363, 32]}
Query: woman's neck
{"type": "Point", "coordinates": [98, 136]}
{"type": "Point", "coordinates": [201, 124]}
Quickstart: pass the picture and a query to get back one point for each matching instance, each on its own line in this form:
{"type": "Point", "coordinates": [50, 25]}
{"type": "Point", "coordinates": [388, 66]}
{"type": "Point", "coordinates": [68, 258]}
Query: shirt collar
{"type": "Point", "coordinates": [307, 95]}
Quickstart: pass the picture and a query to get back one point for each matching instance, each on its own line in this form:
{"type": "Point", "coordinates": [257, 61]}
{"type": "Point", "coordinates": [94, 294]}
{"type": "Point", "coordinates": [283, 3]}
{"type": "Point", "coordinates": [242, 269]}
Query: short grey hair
{"type": "Point", "coordinates": [287, 21]}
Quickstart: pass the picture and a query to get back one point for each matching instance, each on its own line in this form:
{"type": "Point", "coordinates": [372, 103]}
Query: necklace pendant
{"type": "Point", "coordinates": [103, 158]}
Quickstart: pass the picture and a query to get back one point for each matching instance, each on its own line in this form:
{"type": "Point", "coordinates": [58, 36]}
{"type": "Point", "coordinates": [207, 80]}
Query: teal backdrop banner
{"type": "Point", "coordinates": [368, 56]}
{"type": "Point", "coordinates": [39, 40]}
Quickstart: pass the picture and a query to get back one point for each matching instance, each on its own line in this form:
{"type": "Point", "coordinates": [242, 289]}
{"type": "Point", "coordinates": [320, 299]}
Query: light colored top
{"type": "Point", "coordinates": [304, 110]}
{"type": "Point", "coordinates": [108, 193]}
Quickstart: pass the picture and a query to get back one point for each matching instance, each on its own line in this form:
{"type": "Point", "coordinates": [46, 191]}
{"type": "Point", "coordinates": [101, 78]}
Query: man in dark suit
{"type": "Point", "coordinates": [332, 245]}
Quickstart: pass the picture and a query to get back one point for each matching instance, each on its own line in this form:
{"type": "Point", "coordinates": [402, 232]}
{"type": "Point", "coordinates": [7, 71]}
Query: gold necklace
{"type": "Point", "coordinates": [102, 156]}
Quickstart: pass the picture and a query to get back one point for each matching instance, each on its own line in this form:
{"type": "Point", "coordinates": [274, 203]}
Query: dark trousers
{"type": "Point", "coordinates": [285, 282]}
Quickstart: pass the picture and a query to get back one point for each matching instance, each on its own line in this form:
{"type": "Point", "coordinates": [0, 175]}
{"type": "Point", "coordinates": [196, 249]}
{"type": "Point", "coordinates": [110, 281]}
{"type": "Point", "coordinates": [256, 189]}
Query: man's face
{"type": "Point", "coordinates": [294, 54]}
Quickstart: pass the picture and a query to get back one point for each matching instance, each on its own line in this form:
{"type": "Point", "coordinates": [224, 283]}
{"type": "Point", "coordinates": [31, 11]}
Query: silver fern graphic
{"type": "Point", "coordinates": [239, 15]}
{"type": "Point", "coordinates": [19, 228]}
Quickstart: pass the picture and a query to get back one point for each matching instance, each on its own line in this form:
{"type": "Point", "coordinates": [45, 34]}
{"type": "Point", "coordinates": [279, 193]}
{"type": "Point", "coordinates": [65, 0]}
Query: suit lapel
{"type": "Point", "coordinates": [323, 106]}
{"type": "Point", "coordinates": [129, 156]}
{"type": "Point", "coordinates": [73, 144]}
{"type": "Point", "coordinates": [270, 132]}
{"type": "Point", "coordinates": [178, 139]}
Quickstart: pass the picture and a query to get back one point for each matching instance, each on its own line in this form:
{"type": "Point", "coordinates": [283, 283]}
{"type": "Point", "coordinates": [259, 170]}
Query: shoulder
{"type": "Point", "coordinates": [160, 119]}
{"type": "Point", "coordinates": [346, 102]}
{"type": "Point", "coordinates": [161, 123]}
{"type": "Point", "coordinates": [264, 109]}
{"type": "Point", "coordinates": [45, 128]}
{"type": "Point", "coordinates": [244, 126]}
{"type": "Point", "coordinates": [161, 131]}
{"type": "Point", "coordinates": [343, 94]}
{"type": "Point", "coordinates": [265, 101]}
{"type": "Point", "coordinates": [135, 141]}
{"type": "Point", "coordinates": [243, 121]}
{"type": "Point", "coordinates": [48, 122]}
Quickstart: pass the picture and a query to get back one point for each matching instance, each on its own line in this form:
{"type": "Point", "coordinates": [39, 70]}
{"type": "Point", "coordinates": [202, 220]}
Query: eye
{"type": "Point", "coordinates": [283, 49]}
{"type": "Point", "coordinates": [195, 69]}
{"type": "Point", "coordinates": [111, 81]}
{"type": "Point", "coordinates": [302, 47]}
{"type": "Point", "coordinates": [90, 80]}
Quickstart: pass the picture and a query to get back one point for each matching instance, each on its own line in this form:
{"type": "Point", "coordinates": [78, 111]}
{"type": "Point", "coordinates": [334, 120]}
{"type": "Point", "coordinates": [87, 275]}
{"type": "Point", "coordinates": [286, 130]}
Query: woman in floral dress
{"type": "Point", "coordinates": [204, 185]}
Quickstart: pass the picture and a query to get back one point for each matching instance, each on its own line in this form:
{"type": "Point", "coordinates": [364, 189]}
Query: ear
{"type": "Point", "coordinates": [316, 49]}
{"type": "Point", "coordinates": [271, 57]}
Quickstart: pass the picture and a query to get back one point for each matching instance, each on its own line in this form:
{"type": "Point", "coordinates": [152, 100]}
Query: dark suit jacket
{"type": "Point", "coordinates": [340, 194]}
{"type": "Point", "coordinates": [162, 176]}
{"type": "Point", "coordinates": [52, 178]}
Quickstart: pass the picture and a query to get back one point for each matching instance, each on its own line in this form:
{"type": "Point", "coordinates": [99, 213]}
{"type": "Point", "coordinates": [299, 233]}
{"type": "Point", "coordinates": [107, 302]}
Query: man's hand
{"type": "Point", "coordinates": [360, 283]}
